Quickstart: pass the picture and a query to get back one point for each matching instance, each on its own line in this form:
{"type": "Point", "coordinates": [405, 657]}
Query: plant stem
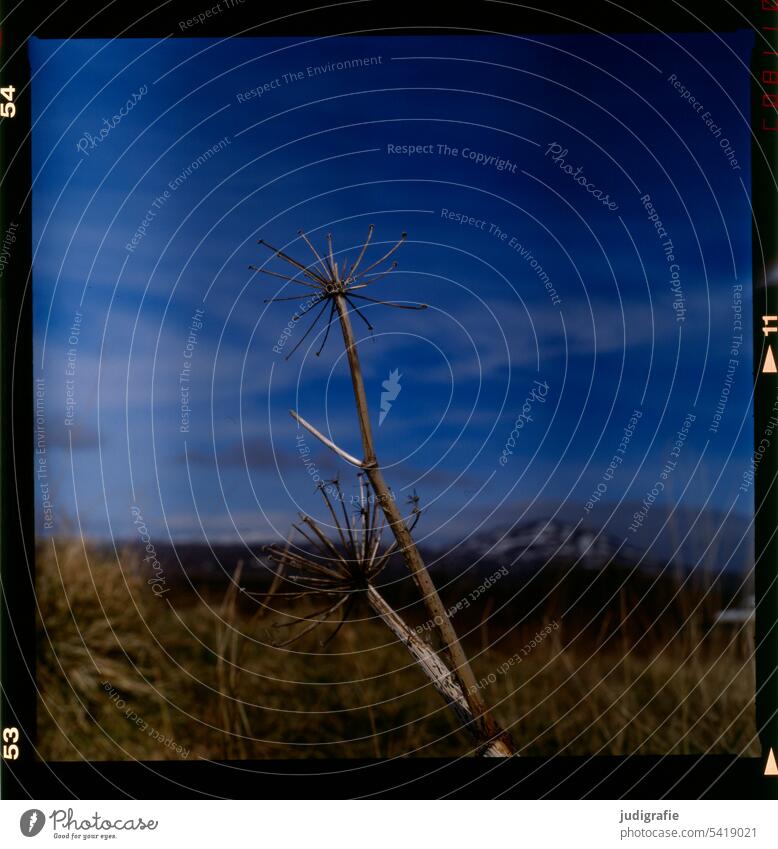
{"type": "Point", "coordinates": [444, 681]}
{"type": "Point", "coordinates": [484, 726]}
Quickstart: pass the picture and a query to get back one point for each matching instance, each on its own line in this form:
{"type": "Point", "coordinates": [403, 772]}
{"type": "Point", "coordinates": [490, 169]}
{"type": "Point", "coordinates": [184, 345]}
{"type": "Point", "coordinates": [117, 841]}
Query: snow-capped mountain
{"type": "Point", "coordinates": [540, 543]}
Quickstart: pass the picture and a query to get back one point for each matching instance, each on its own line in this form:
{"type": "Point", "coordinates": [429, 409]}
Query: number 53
{"type": "Point", "coordinates": [10, 739]}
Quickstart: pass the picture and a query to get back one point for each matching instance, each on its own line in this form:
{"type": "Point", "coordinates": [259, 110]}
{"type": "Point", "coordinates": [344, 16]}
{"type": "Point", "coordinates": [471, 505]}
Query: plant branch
{"type": "Point", "coordinates": [443, 680]}
{"type": "Point", "coordinates": [328, 442]}
{"type": "Point", "coordinates": [487, 727]}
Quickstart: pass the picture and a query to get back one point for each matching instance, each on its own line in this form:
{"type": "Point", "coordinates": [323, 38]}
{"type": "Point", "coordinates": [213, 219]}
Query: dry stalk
{"type": "Point", "coordinates": [235, 722]}
{"type": "Point", "coordinates": [339, 289]}
{"type": "Point", "coordinates": [433, 667]}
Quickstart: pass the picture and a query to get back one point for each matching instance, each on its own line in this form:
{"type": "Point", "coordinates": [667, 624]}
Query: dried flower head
{"type": "Point", "coordinates": [328, 281]}
{"type": "Point", "coordinates": [336, 572]}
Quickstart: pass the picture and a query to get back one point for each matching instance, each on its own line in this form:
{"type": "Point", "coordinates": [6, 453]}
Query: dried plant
{"type": "Point", "coordinates": [339, 287]}
{"type": "Point", "coordinates": [336, 572]}
{"type": "Point", "coordinates": [330, 286]}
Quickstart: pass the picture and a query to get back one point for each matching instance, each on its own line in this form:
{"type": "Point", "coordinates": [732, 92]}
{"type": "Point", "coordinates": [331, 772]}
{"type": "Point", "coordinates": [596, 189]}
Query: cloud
{"type": "Point", "coordinates": [254, 453]}
{"type": "Point", "coordinates": [79, 437]}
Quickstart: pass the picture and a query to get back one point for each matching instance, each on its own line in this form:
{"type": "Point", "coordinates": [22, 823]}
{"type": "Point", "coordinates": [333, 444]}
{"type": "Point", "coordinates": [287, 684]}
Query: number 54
{"type": "Point", "coordinates": [7, 110]}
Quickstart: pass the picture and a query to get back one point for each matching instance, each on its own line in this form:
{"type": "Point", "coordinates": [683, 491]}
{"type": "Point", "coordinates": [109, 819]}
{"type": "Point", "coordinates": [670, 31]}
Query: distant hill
{"type": "Point", "coordinates": [537, 544]}
{"type": "Point", "coordinates": [689, 539]}
{"type": "Point", "coordinates": [601, 585]}
{"type": "Point", "coordinates": [706, 544]}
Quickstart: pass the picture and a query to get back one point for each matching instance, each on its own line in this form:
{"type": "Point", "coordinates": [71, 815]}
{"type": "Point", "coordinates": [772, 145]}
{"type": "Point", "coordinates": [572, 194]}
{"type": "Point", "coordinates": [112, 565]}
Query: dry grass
{"type": "Point", "coordinates": [203, 675]}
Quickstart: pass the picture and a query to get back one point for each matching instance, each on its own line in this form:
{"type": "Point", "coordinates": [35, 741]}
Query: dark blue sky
{"type": "Point", "coordinates": [312, 152]}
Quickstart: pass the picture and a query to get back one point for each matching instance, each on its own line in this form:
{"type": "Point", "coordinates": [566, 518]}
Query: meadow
{"type": "Point", "coordinates": [126, 674]}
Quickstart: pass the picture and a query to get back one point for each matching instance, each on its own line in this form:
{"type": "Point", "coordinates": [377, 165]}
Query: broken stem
{"type": "Point", "coordinates": [441, 677]}
{"type": "Point", "coordinates": [328, 442]}
{"type": "Point", "coordinates": [485, 727]}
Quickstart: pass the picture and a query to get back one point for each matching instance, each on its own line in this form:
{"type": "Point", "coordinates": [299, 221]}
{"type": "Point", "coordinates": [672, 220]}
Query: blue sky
{"type": "Point", "coordinates": [312, 152]}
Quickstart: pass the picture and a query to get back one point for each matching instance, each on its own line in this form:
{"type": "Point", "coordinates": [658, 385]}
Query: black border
{"type": "Point", "coordinates": [606, 777]}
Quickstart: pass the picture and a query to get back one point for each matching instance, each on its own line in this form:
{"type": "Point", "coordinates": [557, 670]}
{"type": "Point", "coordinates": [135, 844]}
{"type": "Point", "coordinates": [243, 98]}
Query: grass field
{"type": "Point", "coordinates": [124, 674]}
